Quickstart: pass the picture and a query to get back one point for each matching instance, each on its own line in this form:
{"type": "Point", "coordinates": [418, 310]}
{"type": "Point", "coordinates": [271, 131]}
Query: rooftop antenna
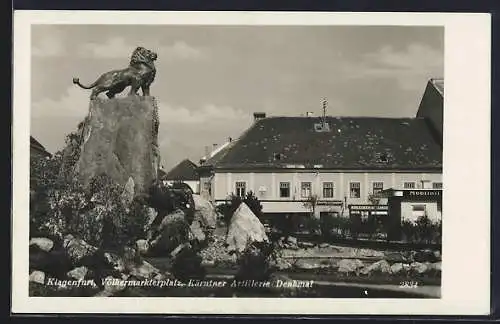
{"type": "Point", "coordinates": [325, 103]}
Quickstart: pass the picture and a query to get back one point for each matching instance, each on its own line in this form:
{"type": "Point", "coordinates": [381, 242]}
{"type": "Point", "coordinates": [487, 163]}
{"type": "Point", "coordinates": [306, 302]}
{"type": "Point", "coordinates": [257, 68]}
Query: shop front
{"type": "Point", "coordinates": [369, 220]}
{"type": "Point", "coordinates": [410, 205]}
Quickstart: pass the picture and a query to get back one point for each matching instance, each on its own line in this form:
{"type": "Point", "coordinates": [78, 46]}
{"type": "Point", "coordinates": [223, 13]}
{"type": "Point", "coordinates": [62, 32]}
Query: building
{"type": "Point", "coordinates": [186, 172]}
{"type": "Point", "coordinates": [340, 161]}
{"type": "Point", "coordinates": [431, 107]}
{"type": "Point", "coordinates": [37, 149]}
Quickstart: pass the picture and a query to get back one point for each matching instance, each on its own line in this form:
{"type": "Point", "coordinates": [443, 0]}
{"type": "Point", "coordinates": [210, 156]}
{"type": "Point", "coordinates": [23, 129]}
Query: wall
{"type": "Point", "coordinates": [205, 183]}
{"type": "Point", "coordinates": [266, 184]}
{"type": "Point", "coordinates": [431, 208]}
{"type": "Point", "coordinates": [431, 107]}
{"type": "Point", "coordinates": [194, 185]}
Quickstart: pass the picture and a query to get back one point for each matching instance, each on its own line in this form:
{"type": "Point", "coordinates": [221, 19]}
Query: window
{"type": "Point", "coordinates": [241, 187]}
{"type": "Point", "coordinates": [437, 185]}
{"type": "Point", "coordinates": [284, 189]}
{"type": "Point", "coordinates": [418, 210]}
{"type": "Point", "coordinates": [355, 189]}
{"type": "Point", "coordinates": [305, 189]}
{"type": "Point", "coordinates": [378, 187]}
{"type": "Point", "coordinates": [328, 189]}
{"type": "Point", "coordinates": [409, 185]}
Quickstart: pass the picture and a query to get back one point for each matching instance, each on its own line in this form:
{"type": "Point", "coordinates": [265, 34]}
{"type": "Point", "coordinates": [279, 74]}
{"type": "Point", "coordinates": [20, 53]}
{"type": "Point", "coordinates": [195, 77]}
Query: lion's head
{"type": "Point", "coordinates": [143, 55]}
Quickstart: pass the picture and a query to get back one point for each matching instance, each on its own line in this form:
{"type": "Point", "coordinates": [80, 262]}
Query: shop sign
{"type": "Point", "coordinates": [422, 194]}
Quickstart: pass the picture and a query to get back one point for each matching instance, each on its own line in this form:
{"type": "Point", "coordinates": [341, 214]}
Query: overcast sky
{"type": "Point", "coordinates": [210, 79]}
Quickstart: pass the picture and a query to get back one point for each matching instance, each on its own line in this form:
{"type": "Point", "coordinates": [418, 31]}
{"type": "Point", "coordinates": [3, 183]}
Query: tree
{"type": "Point", "coordinates": [311, 203]}
{"type": "Point", "coordinates": [373, 199]}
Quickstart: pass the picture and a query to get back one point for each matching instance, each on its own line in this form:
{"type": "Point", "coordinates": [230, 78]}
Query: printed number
{"type": "Point", "coordinates": [408, 284]}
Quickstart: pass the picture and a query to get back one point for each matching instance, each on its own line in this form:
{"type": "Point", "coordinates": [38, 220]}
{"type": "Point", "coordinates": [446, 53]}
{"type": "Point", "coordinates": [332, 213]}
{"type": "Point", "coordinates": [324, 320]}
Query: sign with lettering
{"type": "Point", "coordinates": [369, 207]}
{"type": "Point", "coordinates": [422, 194]}
{"type": "Point", "coordinates": [330, 203]}
{"type": "Point", "coordinates": [367, 210]}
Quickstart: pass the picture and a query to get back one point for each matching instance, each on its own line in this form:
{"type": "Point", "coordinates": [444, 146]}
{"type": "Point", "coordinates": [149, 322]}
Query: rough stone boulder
{"type": "Point", "coordinates": [204, 212]}
{"type": "Point", "coordinates": [119, 138]}
{"type": "Point", "coordinates": [170, 233]}
{"type": "Point", "coordinates": [77, 249]}
{"type": "Point", "coordinates": [245, 228]}
{"type": "Point", "coordinates": [381, 266]}
{"type": "Point", "coordinates": [42, 243]}
{"type": "Point", "coordinates": [348, 266]}
{"type": "Point", "coordinates": [37, 276]}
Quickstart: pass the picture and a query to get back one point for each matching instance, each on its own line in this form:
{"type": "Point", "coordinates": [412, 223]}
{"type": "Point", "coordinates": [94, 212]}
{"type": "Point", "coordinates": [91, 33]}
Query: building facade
{"type": "Point", "coordinates": [333, 162]}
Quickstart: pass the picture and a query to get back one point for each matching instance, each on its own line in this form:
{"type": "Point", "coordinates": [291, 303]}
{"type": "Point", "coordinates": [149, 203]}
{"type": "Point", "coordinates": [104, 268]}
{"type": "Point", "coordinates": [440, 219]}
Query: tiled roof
{"type": "Point", "coordinates": [185, 170]}
{"type": "Point", "coordinates": [34, 144]}
{"type": "Point", "coordinates": [352, 143]}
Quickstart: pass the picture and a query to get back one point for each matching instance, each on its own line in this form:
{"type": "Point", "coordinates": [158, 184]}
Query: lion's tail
{"type": "Point", "coordinates": [77, 82]}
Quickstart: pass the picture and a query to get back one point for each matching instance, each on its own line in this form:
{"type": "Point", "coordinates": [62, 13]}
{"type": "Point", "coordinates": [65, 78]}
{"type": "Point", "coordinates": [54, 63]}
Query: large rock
{"type": "Point", "coordinates": [397, 268]}
{"type": "Point", "coordinates": [349, 266]}
{"type": "Point", "coordinates": [170, 233]}
{"type": "Point", "coordinates": [196, 232]}
{"type": "Point", "coordinates": [120, 140]}
{"type": "Point", "coordinates": [42, 243]}
{"type": "Point", "coordinates": [142, 246]}
{"type": "Point", "coordinates": [144, 271]}
{"type": "Point", "coordinates": [77, 249]}
{"type": "Point", "coordinates": [204, 212]}
{"type": "Point", "coordinates": [381, 266]}
{"type": "Point", "coordinates": [244, 229]}
{"type": "Point", "coordinates": [426, 256]}
{"type": "Point", "coordinates": [37, 276]}
{"type": "Point", "coordinates": [78, 273]}
{"type": "Point", "coordinates": [419, 267]}
{"type": "Point", "coordinates": [395, 257]}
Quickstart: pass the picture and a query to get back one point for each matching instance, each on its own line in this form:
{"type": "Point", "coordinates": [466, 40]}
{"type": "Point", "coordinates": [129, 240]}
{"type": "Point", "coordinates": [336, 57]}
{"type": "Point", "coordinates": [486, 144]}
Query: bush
{"type": "Point", "coordinates": [187, 264]}
{"type": "Point", "coordinates": [255, 261]}
{"type": "Point", "coordinates": [283, 223]}
{"type": "Point", "coordinates": [335, 226]}
{"type": "Point", "coordinates": [60, 205]}
{"type": "Point", "coordinates": [228, 208]}
{"type": "Point", "coordinates": [423, 230]}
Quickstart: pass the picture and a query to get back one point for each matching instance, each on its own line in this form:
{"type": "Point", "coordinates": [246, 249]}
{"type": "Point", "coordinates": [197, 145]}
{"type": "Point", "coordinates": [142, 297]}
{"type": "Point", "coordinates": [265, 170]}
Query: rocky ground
{"type": "Point", "coordinates": [71, 267]}
{"type": "Point", "coordinates": [340, 262]}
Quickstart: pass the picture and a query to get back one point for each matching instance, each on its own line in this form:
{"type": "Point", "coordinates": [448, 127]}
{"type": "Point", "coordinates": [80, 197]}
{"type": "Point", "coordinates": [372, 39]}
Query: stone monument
{"type": "Point", "coordinates": [119, 137]}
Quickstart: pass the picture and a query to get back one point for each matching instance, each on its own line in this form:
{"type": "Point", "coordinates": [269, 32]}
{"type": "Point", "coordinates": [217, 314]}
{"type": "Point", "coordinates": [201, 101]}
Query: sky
{"type": "Point", "coordinates": [211, 79]}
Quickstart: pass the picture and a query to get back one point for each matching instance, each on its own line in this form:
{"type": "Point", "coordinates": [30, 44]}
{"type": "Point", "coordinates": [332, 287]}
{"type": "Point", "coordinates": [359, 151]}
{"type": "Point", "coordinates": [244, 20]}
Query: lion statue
{"type": "Point", "coordinates": [139, 74]}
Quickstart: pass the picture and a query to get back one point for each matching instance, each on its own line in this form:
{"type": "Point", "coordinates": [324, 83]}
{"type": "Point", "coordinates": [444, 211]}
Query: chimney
{"type": "Point", "coordinates": [229, 139]}
{"type": "Point", "coordinates": [207, 152]}
{"type": "Point", "coordinates": [214, 146]}
{"type": "Point", "coordinates": [258, 116]}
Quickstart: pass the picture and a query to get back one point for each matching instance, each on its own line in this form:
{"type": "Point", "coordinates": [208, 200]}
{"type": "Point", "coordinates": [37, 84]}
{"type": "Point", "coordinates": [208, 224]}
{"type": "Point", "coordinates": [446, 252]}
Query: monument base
{"type": "Point", "coordinates": [120, 140]}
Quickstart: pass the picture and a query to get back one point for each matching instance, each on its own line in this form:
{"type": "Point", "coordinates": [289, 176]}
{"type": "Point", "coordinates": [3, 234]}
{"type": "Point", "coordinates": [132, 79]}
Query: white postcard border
{"type": "Point", "coordinates": [466, 169]}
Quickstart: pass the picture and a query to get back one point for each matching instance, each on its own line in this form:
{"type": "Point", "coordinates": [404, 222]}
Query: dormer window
{"type": "Point", "coordinates": [322, 127]}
